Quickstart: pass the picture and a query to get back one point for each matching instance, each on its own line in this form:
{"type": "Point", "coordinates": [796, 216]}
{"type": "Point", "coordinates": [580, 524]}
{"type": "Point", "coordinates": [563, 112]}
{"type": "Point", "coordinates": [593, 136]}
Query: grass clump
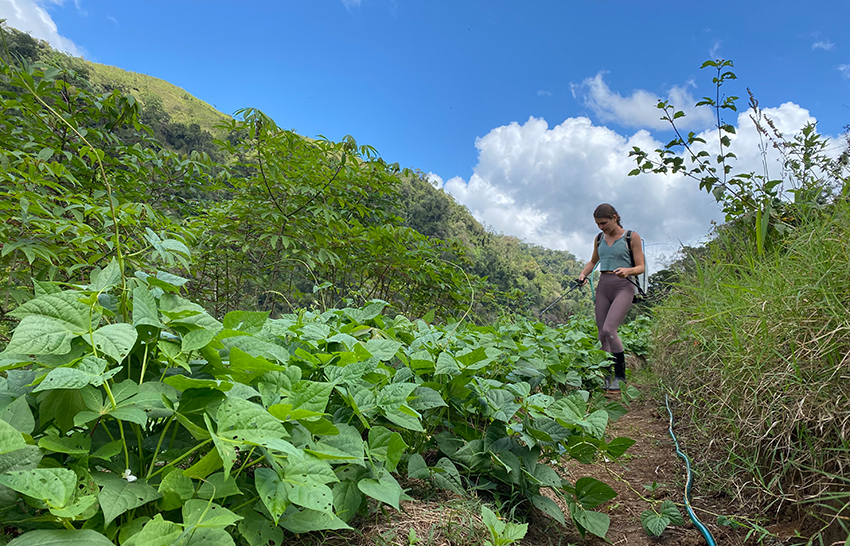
{"type": "Point", "coordinates": [759, 347]}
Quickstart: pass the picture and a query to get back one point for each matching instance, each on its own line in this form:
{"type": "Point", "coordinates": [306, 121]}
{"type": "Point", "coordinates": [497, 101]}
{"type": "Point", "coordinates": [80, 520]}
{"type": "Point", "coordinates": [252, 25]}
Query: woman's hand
{"type": "Point", "coordinates": [622, 272]}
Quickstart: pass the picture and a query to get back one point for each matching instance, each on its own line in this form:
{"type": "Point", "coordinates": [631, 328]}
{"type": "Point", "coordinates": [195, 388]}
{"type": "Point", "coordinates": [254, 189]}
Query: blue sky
{"type": "Point", "coordinates": [524, 111]}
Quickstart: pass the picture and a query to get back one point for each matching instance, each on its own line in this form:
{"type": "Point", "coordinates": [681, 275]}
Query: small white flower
{"type": "Point", "coordinates": [127, 475]}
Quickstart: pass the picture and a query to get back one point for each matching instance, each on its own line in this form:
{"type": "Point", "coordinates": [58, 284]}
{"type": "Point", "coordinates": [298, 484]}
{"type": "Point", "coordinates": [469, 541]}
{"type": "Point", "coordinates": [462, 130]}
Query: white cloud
{"type": "Point", "coordinates": [542, 183]}
{"type": "Point", "coordinates": [714, 52]}
{"type": "Point", "coordinates": [351, 3]}
{"type": "Point", "coordinates": [844, 69]}
{"type": "Point", "coordinates": [544, 93]}
{"type": "Point", "coordinates": [32, 16]}
{"type": "Point", "coordinates": [823, 44]}
{"type": "Point", "coordinates": [639, 110]}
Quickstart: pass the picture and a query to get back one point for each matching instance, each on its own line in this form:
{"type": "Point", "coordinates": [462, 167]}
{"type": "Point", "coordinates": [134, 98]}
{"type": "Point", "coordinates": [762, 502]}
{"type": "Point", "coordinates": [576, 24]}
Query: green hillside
{"type": "Point", "coordinates": [180, 106]}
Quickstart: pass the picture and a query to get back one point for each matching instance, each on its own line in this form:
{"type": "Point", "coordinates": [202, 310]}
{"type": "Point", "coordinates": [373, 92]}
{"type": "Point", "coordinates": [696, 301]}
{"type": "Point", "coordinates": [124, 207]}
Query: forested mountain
{"type": "Point", "coordinates": [332, 223]}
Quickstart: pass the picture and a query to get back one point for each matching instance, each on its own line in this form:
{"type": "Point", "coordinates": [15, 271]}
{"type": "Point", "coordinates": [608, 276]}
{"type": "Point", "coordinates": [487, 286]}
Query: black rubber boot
{"type": "Point", "coordinates": [620, 366]}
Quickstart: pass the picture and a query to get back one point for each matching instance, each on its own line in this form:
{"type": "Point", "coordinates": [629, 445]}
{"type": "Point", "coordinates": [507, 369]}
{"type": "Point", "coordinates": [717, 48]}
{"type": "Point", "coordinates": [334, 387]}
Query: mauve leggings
{"type": "Point", "coordinates": [613, 298]}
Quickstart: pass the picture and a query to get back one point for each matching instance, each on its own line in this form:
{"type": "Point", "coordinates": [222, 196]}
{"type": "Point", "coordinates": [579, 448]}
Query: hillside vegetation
{"type": "Point", "coordinates": [503, 272]}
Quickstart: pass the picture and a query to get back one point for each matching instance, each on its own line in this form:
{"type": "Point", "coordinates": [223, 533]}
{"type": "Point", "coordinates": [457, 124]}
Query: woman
{"type": "Point", "coordinates": [616, 291]}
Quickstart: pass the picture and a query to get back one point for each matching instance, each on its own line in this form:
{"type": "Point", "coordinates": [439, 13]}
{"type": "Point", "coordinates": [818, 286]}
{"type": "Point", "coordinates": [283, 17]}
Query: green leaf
{"type": "Point", "coordinates": [205, 514]}
{"type": "Point", "coordinates": [618, 446]}
{"type": "Point", "coordinates": [39, 335]}
{"type": "Point", "coordinates": [55, 486]}
{"type": "Point", "coordinates": [548, 507]}
{"type": "Point", "coordinates": [258, 531]}
{"type": "Point", "coordinates": [669, 509]}
{"type": "Point", "coordinates": [217, 486]}
{"type": "Point", "coordinates": [210, 537]}
{"type": "Point", "coordinates": [272, 491]}
{"type": "Point", "coordinates": [157, 532]}
{"type": "Point", "coordinates": [446, 365]}
{"type": "Point", "coordinates": [89, 371]}
{"type": "Point", "coordinates": [145, 311]}
{"type": "Point", "coordinates": [417, 468]}
{"type": "Point", "coordinates": [246, 321]}
{"type": "Point", "coordinates": [313, 496]}
{"type": "Point", "coordinates": [106, 278]}
{"type": "Point", "coordinates": [66, 310]}
{"type": "Point", "coordinates": [77, 444]}
{"type": "Point", "coordinates": [595, 423]}
{"type": "Point", "coordinates": [425, 398]}
{"type": "Point", "coordinates": [307, 470]}
{"type": "Point", "coordinates": [654, 523]}
{"type": "Point", "coordinates": [118, 496]}
{"type": "Point", "coordinates": [385, 489]}
{"type": "Point", "coordinates": [547, 476]}
{"type": "Point", "coordinates": [384, 349]}
{"type": "Point", "coordinates": [347, 500]}
{"type": "Point", "coordinates": [310, 395]}
{"type": "Point", "coordinates": [61, 537]}
{"type": "Point", "coordinates": [62, 405]}
{"type": "Point", "coordinates": [591, 492]}
{"type": "Point", "coordinates": [594, 522]}
{"type": "Point", "coordinates": [448, 477]}
{"type": "Point", "coordinates": [10, 439]}
{"type": "Point", "coordinates": [115, 340]}
{"type": "Point", "coordinates": [386, 445]}
{"type": "Point", "coordinates": [175, 488]}
{"type": "Point", "coordinates": [19, 415]}
{"type": "Point", "coordinates": [306, 521]}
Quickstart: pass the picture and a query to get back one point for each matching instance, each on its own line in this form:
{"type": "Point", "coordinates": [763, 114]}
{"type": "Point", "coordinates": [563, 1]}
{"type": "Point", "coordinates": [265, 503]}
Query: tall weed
{"type": "Point", "coordinates": [759, 345]}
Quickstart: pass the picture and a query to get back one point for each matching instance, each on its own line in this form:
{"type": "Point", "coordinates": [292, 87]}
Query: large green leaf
{"type": "Point", "coordinates": [156, 532]}
{"type": "Point", "coordinates": [55, 486]}
{"type": "Point", "coordinates": [386, 445]}
{"type": "Point", "coordinates": [91, 370]}
{"type": "Point", "coordinates": [145, 311]}
{"type": "Point", "coordinates": [272, 491]}
{"type": "Point", "coordinates": [310, 395]}
{"type": "Point", "coordinates": [114, 340]}
{"type": "Point", "coordinates": [62, 537]}
{"type": "Point", "coordinates": [385, 489]}
{"type": "Point", "coordinates": [206, 514]}
{"type": "Point", "coordinates": [384, 349]}
{"type": "Point", "coordinates": [118, 496]}
{"type": "Point", "coordinates": [40, 335]}
{"type": "Point", "coordinates": [668, 508]}
{"type": "Point", "coordinates": [19, 415]}
{"type": "Point", "coordinates": [246, 321]}
{"type": "Point", "coordinates": [591, 492]}
{"type": "Point", "coordinates": [64, 309]}
{"type": "Point", "coordinates": [209, 537]}
{"type": "Point", "coordinates": [447, 477]}
{"type": "Point", "coordinates": [654, 523]}
{"type": "Point", "coordinates": [347, 499]}
{"type": "Point", "coordinates": [548, 507]}
{"type": "Point", "coordinates": [306, 521]}
{"type": "Point", "coordinates": [313, 496]}
{"type": "Point", "coordinates": [10, 439]}
{"type": "Point", "coordinates": [596, 523]}
{"type": "Point", "coordinates": [77, 444]}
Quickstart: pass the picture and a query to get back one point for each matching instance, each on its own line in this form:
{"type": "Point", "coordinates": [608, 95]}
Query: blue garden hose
{"type": "Point", "coordinates": [709, 539]}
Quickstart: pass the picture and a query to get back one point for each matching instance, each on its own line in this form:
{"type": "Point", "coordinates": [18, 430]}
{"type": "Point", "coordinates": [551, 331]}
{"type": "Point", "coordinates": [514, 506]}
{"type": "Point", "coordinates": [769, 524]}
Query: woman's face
{"type": "Point", "coordinates": [607, 225]}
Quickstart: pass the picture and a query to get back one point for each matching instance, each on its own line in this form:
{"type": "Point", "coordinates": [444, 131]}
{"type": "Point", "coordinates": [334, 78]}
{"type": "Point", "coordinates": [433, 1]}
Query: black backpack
{"type": "Point", "coordinates": [640, 281]}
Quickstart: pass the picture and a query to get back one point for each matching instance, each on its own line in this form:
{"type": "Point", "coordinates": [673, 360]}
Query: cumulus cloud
{"type": "Point", "coordinates": [844, 69]}
{"type": "Point", "coordinates": [32, 16]}
{"type": "Point", "coordinates": [544, 93]}
{"type": "Point", "coordinates": [542, 183]}
{"type": "Point", "coordinates": [638, 110]}
{"type": "Point", "coordinates": [826, 45]}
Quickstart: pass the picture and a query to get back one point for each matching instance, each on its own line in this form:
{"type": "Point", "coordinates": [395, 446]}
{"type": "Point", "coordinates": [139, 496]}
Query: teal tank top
{"type": "Point", "coordinates": [617, 255]}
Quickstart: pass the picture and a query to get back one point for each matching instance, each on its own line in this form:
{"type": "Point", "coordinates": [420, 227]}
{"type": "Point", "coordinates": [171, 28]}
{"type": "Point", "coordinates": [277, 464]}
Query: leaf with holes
{"type": "Point", "coordinates": [115, 340]}
{"type": "Point", "coordinates": [54, 486]}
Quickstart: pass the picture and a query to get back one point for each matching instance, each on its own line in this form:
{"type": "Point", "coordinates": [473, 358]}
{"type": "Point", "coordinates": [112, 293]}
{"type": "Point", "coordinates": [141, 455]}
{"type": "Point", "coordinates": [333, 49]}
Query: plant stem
{"type": "Point", "coordinates": [158, 446]}
{"type": "Point", "coordinates": [180, 458]}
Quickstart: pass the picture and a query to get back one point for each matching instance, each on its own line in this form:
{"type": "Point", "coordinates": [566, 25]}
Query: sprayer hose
{"type": "Point", "coordinates": [709, 539]}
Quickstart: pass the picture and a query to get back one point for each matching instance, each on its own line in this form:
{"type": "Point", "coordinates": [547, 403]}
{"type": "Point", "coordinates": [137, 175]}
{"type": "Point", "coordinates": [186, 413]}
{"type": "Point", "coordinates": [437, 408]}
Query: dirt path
{"type": "Point", "coordinates": [651, 460]}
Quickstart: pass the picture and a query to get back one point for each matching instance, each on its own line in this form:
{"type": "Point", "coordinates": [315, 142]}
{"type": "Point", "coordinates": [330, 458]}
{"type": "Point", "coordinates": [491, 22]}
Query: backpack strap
{"type": "Point", "coordinates": [629, 246]}
{"type": "Point", "coordinates": [598, 239]}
